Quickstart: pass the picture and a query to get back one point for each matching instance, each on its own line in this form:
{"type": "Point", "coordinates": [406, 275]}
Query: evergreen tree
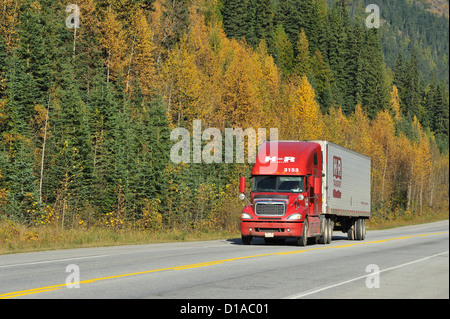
{"type": "Point", "coordinates": [21, 93]}
{"type": "Point", "coordinates": [337, 52]}
{"type": "Point", "coordinates": [355, 64]}
{"type": "Point", "coordinates": [308, 21]}
{"type": "Point", "coordinates": [412, 88]}
{"type": "Point", "coordinates": [177, 15]}
{"type": "Point", "coordinates": [321, 28]}
{"type": "Point", "coordinates": [323, 79]}
{"type": "Point", "coordinates": [288, 13]}
{"type": "Point", "coordinates": [70, 163]}
{"type": "Point", "coordinates": [150, 180]}
{"type": "Point", "coordinates": [375, 93]}
{"type": "Point", "coordinates": [284, 52]}
{"type": "Point", "coordinates": [235, 18]}
{"type": "Point", "coordinates": [399, 78]}
{"type": "Point", "coordinates": [22, 197]}
{"type": "Point", "coordinates": [302, 60]}
{"type": "Point", "coordinates": [33, 50]}
{"type": "Point", "coordinates": [428, 103]}
{"type": "Point", "coordinates": [260, 22]}
{"type": "Point", "coordinates": [440, 115]}
{"type": "Point", "coordinates": [103, 108]}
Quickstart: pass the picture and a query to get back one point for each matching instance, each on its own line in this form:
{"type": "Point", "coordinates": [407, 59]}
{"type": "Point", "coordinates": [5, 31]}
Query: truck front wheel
{"type": "Point", "coordinates": [303, 241]}
{"type": "Point", "coordinates": [324, 238]}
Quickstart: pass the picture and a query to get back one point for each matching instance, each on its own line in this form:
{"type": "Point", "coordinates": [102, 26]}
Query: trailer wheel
{"type": "Point", "coordinates": [303, 241]}
{"type": "Point", "coordinates": [360, 229]}
{"type": "Point", "coordinates": [247, 240]}
{"type": "Point", "coordinates": [330, 230]}
{"type": "Point", "coordinates": [351, 232]}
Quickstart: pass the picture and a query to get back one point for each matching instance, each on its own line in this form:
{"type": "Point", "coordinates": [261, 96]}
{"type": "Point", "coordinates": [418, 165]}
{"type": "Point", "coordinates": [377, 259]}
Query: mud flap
{"type": "Point", "coordinates": [314, 226]}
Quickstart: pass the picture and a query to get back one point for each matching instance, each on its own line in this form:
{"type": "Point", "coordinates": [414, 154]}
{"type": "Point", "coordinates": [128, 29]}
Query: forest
{"type": "Point", "coordinates": [86, 112]}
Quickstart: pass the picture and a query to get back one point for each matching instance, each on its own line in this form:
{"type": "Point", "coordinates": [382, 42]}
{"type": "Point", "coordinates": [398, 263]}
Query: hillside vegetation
{"type": "Point", "coordinates": [86, 113]}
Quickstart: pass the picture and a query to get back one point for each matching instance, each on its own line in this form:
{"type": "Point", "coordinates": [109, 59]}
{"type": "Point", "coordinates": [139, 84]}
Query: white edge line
{"type": "Point", "coordinates": [53, 261]}
{"type": "Point", "coordinates": [304, 294]}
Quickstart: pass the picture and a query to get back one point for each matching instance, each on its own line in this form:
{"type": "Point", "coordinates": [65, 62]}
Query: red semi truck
{"type": "Point", "coordinates": [305, 190]}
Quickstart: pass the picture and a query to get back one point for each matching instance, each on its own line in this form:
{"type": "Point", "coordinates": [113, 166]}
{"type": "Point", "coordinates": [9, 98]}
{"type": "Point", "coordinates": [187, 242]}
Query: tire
{"type": "Point", "coordinates": [247, 240]}
{"type": "Point", "coordinates": [360, 229]}
{"type": "Point", "coordinates": [330, 230]}
{"type": "Point", "coordinates": [324, 239]}
{"type": "Point", "coordinates": [303, 241]}
{"type": "Point", "coordinates": [364, 229]}
{"type": "Point", "coordinates": [351, 232]}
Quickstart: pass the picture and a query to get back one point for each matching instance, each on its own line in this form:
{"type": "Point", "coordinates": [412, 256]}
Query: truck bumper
{"type": "Point", "coordinates": [269, 229]}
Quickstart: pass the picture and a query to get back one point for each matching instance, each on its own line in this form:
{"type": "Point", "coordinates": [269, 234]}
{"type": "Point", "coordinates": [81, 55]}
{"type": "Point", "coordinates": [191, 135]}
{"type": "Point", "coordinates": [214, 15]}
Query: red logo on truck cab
{"type": "Point", "coordinates": [337, 167]}
{"type": "Point", "coordinates": [275, 159]}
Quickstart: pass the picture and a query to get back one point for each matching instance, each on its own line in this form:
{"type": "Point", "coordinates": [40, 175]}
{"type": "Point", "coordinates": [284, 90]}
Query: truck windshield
{"type": "Point", "coordinates": [281, 184]}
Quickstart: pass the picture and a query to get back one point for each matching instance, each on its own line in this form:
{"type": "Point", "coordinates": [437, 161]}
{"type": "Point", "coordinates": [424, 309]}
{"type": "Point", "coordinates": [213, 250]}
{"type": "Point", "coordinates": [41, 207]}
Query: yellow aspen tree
{"type": "Point", "coordinates": [395, 104]}
{"type": "Point", "coordinates": [306, 111]}
{"type": "Point", "coordinates": [114, 43]}
{"type": "Point", "coordinates": [425, 173]}
{"type": "Point", "coordinates": [208, 66]}
{"type": "Point", "coordinates": [181, 85]}
{"type": "Point", "coordinates": [414, 170]}
{"type": "Point", "coordinates": [338, 128]}
{"type": "Point", "coordinates": [407, 167]}
{"type": "Point", "coordinates": [422, 167]}
{"type": "Point", "coordinates": [9, 18]}
{"type": "Point", "coordinates": [283, 114]}
{"type": "Point", "coordinates": [86, 40]}
{"type": "Point", "coordinates": [142, 63]}
{"type": "Point", "coordinates": [383, 154]}
{"type": "Point", "coordinates": [269, 84]}
{"type": "Point", "coordinates": [361, 140]}
{"type": "Point", "coordinates": [302, 64]}
{"type": "Point", "coordinates": [440, 201]}
{"type": "Point", "coordinates": [199, 40]}
{"type": "Point", "coordinates": [241, 106]}
{"type": "Point", "coordinates": [155, 20]}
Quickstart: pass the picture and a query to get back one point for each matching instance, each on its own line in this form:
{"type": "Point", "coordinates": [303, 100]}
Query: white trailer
{"type": "Point", "coordinates": [345, 189]}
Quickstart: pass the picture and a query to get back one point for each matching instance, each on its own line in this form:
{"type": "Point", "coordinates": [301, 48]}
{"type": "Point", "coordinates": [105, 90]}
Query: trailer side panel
{"type": "Point", "coordinates": [346, 182]}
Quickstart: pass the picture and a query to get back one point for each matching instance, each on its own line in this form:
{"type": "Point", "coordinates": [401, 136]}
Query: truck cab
{"type": "Point", "coordinates": [285, 197]}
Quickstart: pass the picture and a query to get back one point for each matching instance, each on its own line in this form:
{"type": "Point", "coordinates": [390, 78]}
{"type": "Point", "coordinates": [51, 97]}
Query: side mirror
{"type": "Point", "coordinates": [242, 185]}
{"type": "Point", "coordinates": [317, 185]}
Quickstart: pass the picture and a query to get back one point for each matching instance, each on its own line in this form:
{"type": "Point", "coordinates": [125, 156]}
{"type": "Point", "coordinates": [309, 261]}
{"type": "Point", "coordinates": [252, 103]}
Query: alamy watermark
{"type": "Point", "coordinates": [219, 148]}
{"type": "Point", "coordinates": [373, 19]}
{"type": "Point", "coordinates": [73, 20]}
{"type": "Point", "coordinates": [73, 279]}
{"type": "Point", "coordinates": [373, 279]}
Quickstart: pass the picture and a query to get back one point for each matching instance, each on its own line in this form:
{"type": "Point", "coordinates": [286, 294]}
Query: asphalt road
{"type": "Point", "coordinates": [405, 262]}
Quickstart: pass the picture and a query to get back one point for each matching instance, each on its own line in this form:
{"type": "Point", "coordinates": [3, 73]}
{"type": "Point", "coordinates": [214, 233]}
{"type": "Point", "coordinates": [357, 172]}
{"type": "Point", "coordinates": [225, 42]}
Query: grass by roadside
{"type": "Point", "coordinates": [405, 219]}
{"type": "Point", "coordinates": [16, 238]}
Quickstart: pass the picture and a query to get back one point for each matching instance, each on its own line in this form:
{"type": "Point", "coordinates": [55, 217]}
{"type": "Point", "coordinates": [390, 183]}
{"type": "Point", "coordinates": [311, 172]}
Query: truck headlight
{"type": "Point", "coordinates": [246, 216]}
{"type": "Point", "coordinates": [295, 217]}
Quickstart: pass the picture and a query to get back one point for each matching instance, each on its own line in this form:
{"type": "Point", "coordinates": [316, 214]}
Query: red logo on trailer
{"type": "Point", "coordinates": [337, 167]}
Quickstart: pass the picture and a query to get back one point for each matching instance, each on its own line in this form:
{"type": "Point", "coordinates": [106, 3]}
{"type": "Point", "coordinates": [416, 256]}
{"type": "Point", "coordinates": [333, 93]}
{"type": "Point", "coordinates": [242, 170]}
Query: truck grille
{"type": "Point", "coordinates": [270, 208]}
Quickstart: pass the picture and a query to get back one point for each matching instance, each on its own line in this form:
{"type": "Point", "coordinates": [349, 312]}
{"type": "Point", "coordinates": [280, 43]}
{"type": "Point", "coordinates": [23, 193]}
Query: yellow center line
{"type": "Point", "coordinates": [204, 264]}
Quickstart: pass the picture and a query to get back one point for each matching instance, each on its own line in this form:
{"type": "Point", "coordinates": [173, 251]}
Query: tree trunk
{"type": "Point", "coordinates": [43, 152]}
